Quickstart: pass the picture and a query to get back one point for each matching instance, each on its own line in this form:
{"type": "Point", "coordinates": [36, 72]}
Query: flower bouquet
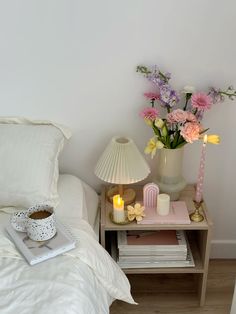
{"type": "Point", "coordinates": [182, 125]}
{"type": "Point", "coordinates": [178, 126]}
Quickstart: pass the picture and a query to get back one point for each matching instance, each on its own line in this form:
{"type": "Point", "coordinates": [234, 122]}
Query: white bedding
{"type": "Point", "coordinates": [77, 199]}
{"type": "Point", "coordinates": [83, 281]}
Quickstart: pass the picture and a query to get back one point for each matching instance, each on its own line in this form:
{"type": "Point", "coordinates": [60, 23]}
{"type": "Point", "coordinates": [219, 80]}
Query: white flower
{"type": "Point", "coordinates": [189, 89]}
{"type": "Point", "coordinates": [135, 212]}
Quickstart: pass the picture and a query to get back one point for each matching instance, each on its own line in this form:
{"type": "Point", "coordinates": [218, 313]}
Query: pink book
{"type": "Point", "coordinates": [178, 215]}
{"type": "Point", "coordinates": [163, 237]}
{"type": "Point", "coordinates": [139, 241]}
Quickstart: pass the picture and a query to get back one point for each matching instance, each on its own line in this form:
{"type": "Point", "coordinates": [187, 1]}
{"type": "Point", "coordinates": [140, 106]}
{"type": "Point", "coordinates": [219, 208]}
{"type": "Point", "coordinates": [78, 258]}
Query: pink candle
{"type": "Point", "coordinates": [199, 189]}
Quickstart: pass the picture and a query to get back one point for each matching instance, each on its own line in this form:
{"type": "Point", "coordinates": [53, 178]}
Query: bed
{"type": "Point", "coordinates": [84, 280]}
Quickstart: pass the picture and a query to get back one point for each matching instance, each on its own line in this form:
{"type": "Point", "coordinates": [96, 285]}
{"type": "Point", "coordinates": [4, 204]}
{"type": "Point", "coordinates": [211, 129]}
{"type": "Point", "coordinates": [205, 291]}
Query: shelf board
{"type": "Point", "coordinates": [187, 196]}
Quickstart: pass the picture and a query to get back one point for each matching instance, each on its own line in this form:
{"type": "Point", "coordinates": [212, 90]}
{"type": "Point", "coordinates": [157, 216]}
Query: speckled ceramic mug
{"type": "Point", "coordinates": [38, 222]}
{"type": "Point", "coordinates": [41, 223]}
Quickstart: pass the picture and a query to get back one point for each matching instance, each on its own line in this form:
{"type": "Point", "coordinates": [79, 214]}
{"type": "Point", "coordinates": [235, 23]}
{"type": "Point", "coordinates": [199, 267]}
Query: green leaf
{"type": "Point", "coordinates": [156, 130]}
{"type": "Point", "coordinates": [181, 145]}
{"type": "Point", "coordinates": [176, 139]}
{"type": "Point", "coordinates": [204, 131]}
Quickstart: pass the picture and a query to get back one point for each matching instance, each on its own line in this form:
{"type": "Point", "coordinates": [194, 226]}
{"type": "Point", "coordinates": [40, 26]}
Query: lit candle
{"type": "Point", "coordinates": [118, 209]}
{"type": "Point", "coordinates": [163, 204]}
{"type": "Point", "coordinates": [199, 188]}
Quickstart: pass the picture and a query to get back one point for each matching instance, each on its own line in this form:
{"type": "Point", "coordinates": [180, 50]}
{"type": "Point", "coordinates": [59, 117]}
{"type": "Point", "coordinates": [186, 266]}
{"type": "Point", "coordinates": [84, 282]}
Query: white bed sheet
{"type": "Point", "coordinates": [83, 281]}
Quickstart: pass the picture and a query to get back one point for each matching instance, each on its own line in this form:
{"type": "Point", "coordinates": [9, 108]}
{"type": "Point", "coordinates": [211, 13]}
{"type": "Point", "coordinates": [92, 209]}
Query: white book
{"type": "Point", "coordinates": [151, 258]}
{"type": "Point", "coordinates": [189, 262]}
{"type": "Point", "coordinates": [39, 251]}
{"type": "Point", "coordinates": [147, 252]}
{"type": "Point", "coordinates": [152, 242]}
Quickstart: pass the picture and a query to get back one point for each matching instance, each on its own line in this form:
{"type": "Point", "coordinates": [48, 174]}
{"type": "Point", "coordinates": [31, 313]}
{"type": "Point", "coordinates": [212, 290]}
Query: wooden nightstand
{"type": "Point", "coordinates": [199, 237]}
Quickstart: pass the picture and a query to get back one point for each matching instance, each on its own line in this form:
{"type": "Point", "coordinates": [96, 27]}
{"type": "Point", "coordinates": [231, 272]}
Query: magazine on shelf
{"type": "Point", "coordinates": [178, 215]}
{"type": "Point", "coordinates": [38, 251]}
{"type": "Point", "coordinates": [157, 242]}
{"type": "Point", "coordinates": [154, 258]}
{"type": "Point", "coordinates": [188, 262]}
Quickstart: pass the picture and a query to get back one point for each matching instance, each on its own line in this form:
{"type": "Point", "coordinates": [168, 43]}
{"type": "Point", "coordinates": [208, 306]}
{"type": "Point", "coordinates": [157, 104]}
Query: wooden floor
{"type": "Point", "coordinates": [175, 294]}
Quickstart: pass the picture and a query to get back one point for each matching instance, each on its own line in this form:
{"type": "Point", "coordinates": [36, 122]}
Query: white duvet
{"type": "Point", "coordinates": [83, 281]}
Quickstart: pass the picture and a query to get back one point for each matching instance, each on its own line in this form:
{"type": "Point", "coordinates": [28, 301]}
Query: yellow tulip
{"type": "Point", "coordinates": [148, 122]}
{"type": "Point", "coordinates": [164, 131]}
{"type": "Point", "coordinates": [152, 145]}
{"type": "Point", "coordinates": [213, 139]}
{"type": "Point", "coordinates": [159, 123]}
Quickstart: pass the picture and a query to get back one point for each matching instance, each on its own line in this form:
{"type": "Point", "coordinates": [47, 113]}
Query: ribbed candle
{"type": "Point", "coordinates": [199, 188]}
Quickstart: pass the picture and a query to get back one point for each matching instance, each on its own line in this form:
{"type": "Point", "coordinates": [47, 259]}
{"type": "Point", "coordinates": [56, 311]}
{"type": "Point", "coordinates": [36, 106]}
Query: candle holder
{"type": "Point", "coordinates": [196, 216]}
{"type": "Point", "coordinates": [124, 222]}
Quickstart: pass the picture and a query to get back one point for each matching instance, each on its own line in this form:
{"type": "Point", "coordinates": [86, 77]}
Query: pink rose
{"type": "Point", "coordinates": [201, 101]}
{"type": "Point", "coordinates": [177, 116]}
{"type": "Point", "coordinates": [191, 117]}
{"type": "Point", "coordinates": [190, 131]}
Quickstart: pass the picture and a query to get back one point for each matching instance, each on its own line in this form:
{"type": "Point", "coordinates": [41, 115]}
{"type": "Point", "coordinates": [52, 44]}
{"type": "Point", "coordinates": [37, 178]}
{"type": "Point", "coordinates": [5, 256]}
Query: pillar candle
{"type": "Point", "coordinates": [163, 204]}
{"type": "Point", "coordinates": [199, 188]}
{"type": "Point", "coordinates": [118, 209]}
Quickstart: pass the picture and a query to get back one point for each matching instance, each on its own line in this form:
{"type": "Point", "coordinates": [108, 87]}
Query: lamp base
{"type": "Point", "coordinates": [196, 216]}
{"type": "Point", "coordinates": [128, 195]}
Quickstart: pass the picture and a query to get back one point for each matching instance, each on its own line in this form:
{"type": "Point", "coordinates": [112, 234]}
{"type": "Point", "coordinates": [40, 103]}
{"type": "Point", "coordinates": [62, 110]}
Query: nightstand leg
{"type": "Point", "coordinates": [102, 237]}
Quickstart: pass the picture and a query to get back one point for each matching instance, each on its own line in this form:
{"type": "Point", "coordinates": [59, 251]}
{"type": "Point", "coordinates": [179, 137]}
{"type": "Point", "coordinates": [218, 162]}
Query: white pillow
{"type": "Point", "coordinates": [29, 161]}
{"type": "Point", "coordinates": [78, 200]}
{"type": "Point", "coordinates": [72, 203]}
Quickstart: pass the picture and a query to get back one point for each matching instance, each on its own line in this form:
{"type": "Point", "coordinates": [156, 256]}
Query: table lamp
{"type": "Point", "coordinates": [122, 163]}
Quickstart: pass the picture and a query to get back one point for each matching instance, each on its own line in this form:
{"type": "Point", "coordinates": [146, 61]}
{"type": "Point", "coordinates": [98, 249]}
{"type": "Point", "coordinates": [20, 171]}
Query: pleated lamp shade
{"type": "Point", "coordinates": [122, 163]}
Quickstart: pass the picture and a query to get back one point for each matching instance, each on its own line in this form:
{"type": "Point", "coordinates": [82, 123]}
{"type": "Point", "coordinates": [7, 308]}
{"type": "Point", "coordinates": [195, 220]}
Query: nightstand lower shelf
{"type": "Point", "coordinates": [198, 268]}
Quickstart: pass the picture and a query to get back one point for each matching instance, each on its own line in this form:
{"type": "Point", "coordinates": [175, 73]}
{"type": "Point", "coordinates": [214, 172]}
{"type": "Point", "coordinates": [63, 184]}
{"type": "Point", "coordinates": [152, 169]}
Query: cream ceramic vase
{"type": "Point", "coordinates": [169, 173]}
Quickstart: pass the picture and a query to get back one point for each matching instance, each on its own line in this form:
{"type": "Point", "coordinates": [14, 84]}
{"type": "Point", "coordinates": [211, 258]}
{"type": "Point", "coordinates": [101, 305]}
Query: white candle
{"type": "Point", "coordinates": [118, 209]}
{"type": "Point", "coordinates": [199, 188]}
{"type": "Point", "coordinates": [163, 204]}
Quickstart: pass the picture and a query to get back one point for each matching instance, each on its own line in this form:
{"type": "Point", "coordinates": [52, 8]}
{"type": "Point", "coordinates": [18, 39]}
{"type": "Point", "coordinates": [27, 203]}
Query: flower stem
{"type": "Point", "coordinates": [228, 94]}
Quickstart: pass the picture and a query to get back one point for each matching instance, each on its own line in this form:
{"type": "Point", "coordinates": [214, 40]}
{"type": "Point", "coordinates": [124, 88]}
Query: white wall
{"type": "Point", "coordinates": [74, 62]}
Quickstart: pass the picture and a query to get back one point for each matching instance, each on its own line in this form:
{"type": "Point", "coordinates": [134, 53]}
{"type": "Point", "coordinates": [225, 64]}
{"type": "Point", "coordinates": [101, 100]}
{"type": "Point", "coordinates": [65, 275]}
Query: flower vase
{"type": "Point", "coordinates": [169, 173]}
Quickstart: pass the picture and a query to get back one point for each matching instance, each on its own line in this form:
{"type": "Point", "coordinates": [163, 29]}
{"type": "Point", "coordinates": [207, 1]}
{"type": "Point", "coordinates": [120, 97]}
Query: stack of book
{"type": "Point", "coordinates": [164, 248]}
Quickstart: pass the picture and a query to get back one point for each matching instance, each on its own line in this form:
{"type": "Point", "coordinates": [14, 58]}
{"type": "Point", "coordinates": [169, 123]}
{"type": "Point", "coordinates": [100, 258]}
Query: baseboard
{"type": "Point", "coordinates": [223, 249]}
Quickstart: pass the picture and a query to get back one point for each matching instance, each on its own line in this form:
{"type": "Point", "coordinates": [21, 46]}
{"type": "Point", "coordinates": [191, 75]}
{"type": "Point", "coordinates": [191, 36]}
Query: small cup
{"type": "Point", "coordinates": [38, 222]}
{"type": "Point", "coordinates": [18, 220]}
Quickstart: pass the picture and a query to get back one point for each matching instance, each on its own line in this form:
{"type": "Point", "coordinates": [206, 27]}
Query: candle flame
{"type": "Point", "coordinates": [118, 202]}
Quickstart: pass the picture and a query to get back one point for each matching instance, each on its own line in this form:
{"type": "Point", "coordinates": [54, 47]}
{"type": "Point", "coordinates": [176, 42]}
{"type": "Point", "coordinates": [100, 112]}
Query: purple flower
{"type": "Point", "coordinates": [168, 96]}
{"type": "Point", "coordinates": [199, 115]}
{"type": "Point", "coordinates": [157, 77]}
{"type": "Point", "coordinates": [216, 95]}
